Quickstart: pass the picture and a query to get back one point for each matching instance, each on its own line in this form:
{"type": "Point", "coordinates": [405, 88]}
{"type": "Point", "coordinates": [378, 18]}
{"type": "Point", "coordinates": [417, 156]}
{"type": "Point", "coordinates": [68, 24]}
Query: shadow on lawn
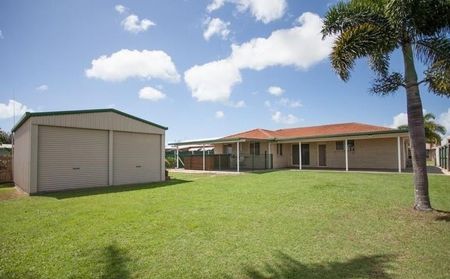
{"type": "Point", "coordinates": [116, 260]}
{"type": "Point", "coordinates": [442, 215]}
{"type": "Point", "coordinates": [261, 171]}
{"type": "Point", "coordinates": [112, 189]}
{"type": "Point", "coordinates": [360, 267]}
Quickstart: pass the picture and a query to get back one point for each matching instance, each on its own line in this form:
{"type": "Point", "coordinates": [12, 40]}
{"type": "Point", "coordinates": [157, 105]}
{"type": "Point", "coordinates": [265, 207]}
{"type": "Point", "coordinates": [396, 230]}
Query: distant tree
{"type": "Point", "coordinates": [433, 130]}
{"type": "Point", "coordinates": [5, 137]}
{"type": "Point", "coordinates": [375, 29]}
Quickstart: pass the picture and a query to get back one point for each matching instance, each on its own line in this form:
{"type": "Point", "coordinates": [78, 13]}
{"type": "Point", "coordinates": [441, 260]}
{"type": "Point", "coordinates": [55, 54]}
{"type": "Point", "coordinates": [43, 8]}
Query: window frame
{"type": "Point", "coordinates": [255, 148]}
{"type": "Point", "coordinates": [280, 149]}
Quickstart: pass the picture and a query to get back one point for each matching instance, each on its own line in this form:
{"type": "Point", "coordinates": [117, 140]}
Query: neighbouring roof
{"type": "Point", "coordinates": [5, 146]}
{"type": "Point", "coordinates": [27, 115]}
{"type": "Point", "coordinates": [321, 131]}
{"type": "Point", "coordinates": [190, 146]}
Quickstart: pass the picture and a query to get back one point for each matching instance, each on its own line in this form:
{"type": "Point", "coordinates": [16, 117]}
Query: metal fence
{"type": "Point", "coordinates": [227, 162]}
{"type": "Point", "coordinates": [444, 157]}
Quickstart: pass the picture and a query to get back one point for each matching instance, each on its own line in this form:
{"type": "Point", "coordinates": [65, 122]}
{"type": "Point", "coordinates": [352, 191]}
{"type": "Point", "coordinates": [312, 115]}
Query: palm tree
{"type": "Point", "coordinates": [433, 130]}
{"type": "Point", "coordinates": [418, 29]}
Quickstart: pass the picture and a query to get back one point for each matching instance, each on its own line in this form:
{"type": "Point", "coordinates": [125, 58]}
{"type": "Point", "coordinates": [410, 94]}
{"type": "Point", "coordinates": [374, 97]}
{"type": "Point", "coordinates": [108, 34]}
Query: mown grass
{"type": "Point", "coordinates": [284, 224]}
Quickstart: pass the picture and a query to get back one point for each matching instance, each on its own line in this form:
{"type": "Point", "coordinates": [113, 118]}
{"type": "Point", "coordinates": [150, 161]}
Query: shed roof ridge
{"type": "Point", "coordinates": [28, 114]}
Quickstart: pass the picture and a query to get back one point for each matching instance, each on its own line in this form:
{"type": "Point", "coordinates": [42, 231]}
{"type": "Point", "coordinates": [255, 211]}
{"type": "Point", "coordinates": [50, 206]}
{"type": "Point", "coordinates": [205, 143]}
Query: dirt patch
{"type": "Point", "coordinates": [9, 192]}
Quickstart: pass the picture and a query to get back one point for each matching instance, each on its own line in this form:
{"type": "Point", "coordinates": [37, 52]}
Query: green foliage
{"type": "Point", "coordinates": [171, 162]}
{"type": "Point", "coordinates": [388, 84]}
{"type": "Point", "coordinates": [374, 29]}
{"type": "Point", "coordinates": [331, 225]}
{"type": "Point", "coordinates": [5, 137]}
{"type": "Point", "coordinates": [433, 130]}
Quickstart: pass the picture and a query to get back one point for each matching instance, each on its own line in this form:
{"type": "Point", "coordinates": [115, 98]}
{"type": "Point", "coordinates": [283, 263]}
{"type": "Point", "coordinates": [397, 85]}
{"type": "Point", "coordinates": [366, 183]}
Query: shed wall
{"type": "Point", "coordinates": [98, 120]}
{"type": "Point", "coordinates": [22, 154]}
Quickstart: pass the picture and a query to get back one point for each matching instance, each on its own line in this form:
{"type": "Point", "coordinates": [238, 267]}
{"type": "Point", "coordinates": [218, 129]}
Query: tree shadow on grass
{"type": "Point", "coordinates": [442, 215]}
{"type": "Point", "coordinates": [115, 263]}
{"type": "Point", "coordinates": [67, 194]}
{"type": "Point", "coordinates": [286, 267]}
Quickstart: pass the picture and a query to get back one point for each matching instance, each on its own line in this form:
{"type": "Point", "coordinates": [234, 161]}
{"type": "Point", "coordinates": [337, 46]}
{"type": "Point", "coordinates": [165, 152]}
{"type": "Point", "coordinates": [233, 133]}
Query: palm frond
{"type": "Point", "coordinates": [346, 15]}
{"type": "Point", "coordinates": [379, 63]}
{"type": "Point", "coordinates": [441, 129]}
{"type": "Point", "coordinates": [418, 18]}
{"type": "Point", "coordinates": [360, 41]}
{"type": "Point", "coordinates": [438, 78]}
{"type": "Point", "coordinates": [386, 85]}
{"type": "Point", "coordinates": [433, 49]}
{"type": "Point", "coordinates": [428, 117]}
{"type": "Point", "coordinates": [430, 17]}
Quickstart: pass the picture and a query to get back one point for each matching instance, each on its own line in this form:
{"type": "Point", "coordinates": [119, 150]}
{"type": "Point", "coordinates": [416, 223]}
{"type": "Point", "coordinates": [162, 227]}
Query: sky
{"type": "Point", "coordinates": [201, 68]}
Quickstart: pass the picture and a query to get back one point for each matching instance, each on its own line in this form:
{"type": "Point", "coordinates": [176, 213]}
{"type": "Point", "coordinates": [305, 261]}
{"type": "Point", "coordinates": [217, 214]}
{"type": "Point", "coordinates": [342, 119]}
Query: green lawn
{"type": "Point", "coordinates": [284, 224]}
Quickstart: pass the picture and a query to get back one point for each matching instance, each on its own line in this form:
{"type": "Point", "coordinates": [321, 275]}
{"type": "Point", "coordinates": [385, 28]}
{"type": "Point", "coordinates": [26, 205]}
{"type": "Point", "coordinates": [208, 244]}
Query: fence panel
{"type": "Point", "coordinates": [6, 169]}
{"type": "Point", "coordinates": [444, 157]}
{"type": "Point", "coordinates": [228, 162]}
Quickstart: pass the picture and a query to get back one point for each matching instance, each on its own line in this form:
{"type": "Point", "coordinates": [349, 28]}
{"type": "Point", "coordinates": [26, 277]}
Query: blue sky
{"type": "Point", "coordinates": [201, 68]}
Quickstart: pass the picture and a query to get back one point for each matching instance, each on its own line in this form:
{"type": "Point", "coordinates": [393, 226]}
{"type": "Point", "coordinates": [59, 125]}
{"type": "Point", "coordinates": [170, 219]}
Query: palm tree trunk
{"type": "Point", "coordinates": [416, 132]}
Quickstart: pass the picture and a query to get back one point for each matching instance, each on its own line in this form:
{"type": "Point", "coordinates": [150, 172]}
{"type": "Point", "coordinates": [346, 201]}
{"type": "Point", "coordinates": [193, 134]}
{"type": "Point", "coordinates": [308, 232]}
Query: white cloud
{"type": "Point", "coordinates": [43, 87]}
{"type": "Point", "coordinates": [212, 81]}
{"type": "Point", "coordinates": [239, 104]}
{"type": "Point", "coordinates": [263, 10]}
{"type": "Point", "coordinates": [152, 94]}
{"type": "Point", "coordinates": [214, 5]}
{"type": "Point", "coordinates": [219, 114]}
{"type": "Point", "coordinates": [120, 9]}
{"type": "Point", "coordinates": [217, 27]}
{"type": "Point", "coordinates": [126, 64]}
{"type": "Point", "coordinates": [399, 120]}
{"type": "Point", "coordinates": [275, 90]}
{"type": "Point", "coordinates": [1, 35]}
{"type": "Point", "coordinates": [301, 46]}
{"type": "Point", "coordinates": [279, 117]}
{"type": "Point", "coordinates": [132, 24]}
{"type": "Point", "coordinates": [444, 120]}
{"type": "Point", "coordinates": [12, 108]}
{"type": "Point", "coordinates": [290, 103]}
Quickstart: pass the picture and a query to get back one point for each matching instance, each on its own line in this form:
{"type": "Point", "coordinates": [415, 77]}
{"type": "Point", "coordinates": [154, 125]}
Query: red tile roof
{"type": "Point", "coordinates": [312, 131]}
{"type": "Point", "coordinates": [253, 134]}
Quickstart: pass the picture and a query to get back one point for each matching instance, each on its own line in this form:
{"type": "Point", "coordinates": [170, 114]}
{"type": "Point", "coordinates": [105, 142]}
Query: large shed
{"type": "Point", "coordinates": [62, 150]}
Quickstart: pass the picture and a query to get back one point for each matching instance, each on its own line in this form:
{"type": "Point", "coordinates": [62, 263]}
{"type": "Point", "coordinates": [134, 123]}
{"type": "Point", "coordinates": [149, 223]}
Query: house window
{"type": "Point", "coordinates": [340, 145]}
{"type": "Point", "coordinates": [280, 149]}
{"type": "Point", "coordinates": [228, 148]}
{"type": "Point", "coordinates": [254, 148]}
{"type": "Point", "coordinates": [350, 145]}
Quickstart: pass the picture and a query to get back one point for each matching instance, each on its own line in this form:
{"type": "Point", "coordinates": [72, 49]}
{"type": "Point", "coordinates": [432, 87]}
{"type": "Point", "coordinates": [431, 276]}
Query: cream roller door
{"type": "Point", "coordinates": [70, 158]}
{"type": "Point", "coordinates": [136, 158]}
